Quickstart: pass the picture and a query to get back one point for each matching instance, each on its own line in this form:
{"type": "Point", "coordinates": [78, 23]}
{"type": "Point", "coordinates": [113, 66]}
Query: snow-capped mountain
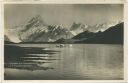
{"type": "Point", "coordinates": [103, 26]}
{"type": "Point", "coordinates": [113, 35]}
{"type": "Point", "coordinates": [77, 28]}
{"type": "Point", "coordinates": [36, 30]}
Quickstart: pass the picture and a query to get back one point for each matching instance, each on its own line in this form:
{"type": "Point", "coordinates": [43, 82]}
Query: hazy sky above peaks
{"type": "Point", "coordinates": [17, 14]}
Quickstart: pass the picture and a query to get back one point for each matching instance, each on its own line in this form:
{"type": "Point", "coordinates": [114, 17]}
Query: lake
{"type": "Point", "coordinates": [69, 62]}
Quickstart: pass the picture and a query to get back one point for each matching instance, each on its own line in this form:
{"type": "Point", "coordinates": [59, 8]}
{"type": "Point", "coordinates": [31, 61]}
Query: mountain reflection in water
{"type": "Point", "coordinates": [71, 62]}
{"type": "Point", "coordinates": [22, 57]}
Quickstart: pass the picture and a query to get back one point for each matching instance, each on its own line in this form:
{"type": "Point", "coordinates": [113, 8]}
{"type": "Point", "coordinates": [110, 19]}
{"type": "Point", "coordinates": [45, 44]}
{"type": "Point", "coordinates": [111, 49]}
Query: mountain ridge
{"type": "Point", "coordinates": [36, 30]}
{"type": "Point", "coordinates": [113, 35]}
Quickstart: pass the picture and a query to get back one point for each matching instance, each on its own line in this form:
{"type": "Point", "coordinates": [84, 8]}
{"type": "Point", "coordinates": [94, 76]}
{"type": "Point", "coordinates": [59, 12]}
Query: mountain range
{"type": "Point", "coordinates": [113, 35]}
{"type": "Point", "coordinates": [36, 30]}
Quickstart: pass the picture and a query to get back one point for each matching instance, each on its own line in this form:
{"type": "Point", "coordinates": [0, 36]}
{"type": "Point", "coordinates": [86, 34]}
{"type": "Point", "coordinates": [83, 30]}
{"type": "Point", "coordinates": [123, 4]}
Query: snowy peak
{"type": "Point", "coordinates": [35, 21]}
{"type": "Point", "coordinates": [35, 30]}
{"type": "Point", "coordinates": [103, 26]}
{"type": "Point", "coordinates": [55, 27]}
{"type": "Point", "coordinates": [77, 28]}
{"type": "Point", "coordinates": [113, 35]}
{"type": "Point", "coordinates": [32, 29]}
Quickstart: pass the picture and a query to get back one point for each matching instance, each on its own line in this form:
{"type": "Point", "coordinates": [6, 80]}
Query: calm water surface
{"type": "Point", "coordinates": [71, 62]}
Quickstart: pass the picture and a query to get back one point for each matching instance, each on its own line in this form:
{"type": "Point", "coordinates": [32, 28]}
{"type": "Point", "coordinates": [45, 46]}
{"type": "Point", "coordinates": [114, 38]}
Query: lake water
{"type": "Point", "coordinates": [71, 62]}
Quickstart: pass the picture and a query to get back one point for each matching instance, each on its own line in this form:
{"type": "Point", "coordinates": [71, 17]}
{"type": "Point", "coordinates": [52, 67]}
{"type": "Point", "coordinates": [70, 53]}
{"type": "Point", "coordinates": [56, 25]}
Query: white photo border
{"type": "Point", "coordinates": [64, 81]}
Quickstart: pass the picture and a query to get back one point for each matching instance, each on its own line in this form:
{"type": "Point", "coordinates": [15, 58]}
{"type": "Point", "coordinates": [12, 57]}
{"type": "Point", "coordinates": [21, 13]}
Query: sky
{"type": "Point", "coordinates": [62, 14]}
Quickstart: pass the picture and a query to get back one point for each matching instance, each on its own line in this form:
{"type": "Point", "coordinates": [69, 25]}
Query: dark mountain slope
{"type": "Point", "coordinates": [113, 35]}
{"type": "Point", "coordinates": [85, 35]}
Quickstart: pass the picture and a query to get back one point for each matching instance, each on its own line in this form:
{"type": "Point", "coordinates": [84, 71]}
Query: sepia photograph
{"type": "Point", "coordinates": [63, 42]}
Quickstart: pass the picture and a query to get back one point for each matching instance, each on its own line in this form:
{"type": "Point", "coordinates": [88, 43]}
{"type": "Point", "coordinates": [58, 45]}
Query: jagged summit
{"type": "Point", "coordinates": [77, 28]}
{"type": "Point", "coordinates": [103, 26]}
{"type": "Point", "coordinates": [36, 30]}
{"type": "Point", "coordinates": [36, 20]}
